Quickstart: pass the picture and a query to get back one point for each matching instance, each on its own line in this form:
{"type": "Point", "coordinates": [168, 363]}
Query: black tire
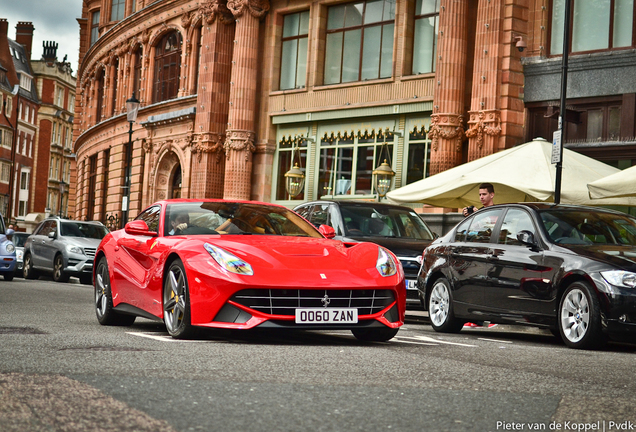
{"type": "Point", "coordinates": [176, 302]}
{"type": "Point", "coordinates": [8, 276]}
{"type": "Point", "coordinates": [58, 269]}
{"type": "Point", "coordinates": [440, 308]}
{"type": "Point", "coordinates": [106, 315]}
{"type": "Point", "coordinates": [375, 334]}
{"type": "Point", "coordinates": [27, 269]}
{"type": "Point", "coordinates": [579, 317]}
{"type": "Point", "coordinates": [86, 279]}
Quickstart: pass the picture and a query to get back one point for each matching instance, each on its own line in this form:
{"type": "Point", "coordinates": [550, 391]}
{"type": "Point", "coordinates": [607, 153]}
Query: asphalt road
{"type": "Point", "coordinates": [61, 371]}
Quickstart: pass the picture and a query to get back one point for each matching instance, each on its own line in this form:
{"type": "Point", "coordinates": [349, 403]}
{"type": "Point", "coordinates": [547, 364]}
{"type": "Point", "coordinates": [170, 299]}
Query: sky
{"type": "Point", "coordinates": [54, 20]}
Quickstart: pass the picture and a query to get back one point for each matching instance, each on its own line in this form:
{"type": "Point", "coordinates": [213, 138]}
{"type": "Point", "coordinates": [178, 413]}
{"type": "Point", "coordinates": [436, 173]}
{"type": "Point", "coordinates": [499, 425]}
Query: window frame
{"type": "Point", "coordinates": [297, 37]}
{"type": "Point", "coordinates": [167, 88]}
{"type": "Point", "coordinates": [610, 35]}
{"type": "Point", "coordinates": [362, 27]}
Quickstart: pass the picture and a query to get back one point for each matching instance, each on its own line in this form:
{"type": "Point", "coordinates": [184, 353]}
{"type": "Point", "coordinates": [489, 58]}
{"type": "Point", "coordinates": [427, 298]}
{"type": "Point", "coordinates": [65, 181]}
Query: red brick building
{"type": "Point", "coordinates": [54, 153]}
{"type": "Point", "coordinates": [233, 92]}
{"type": "Point", "coordinates": [18, 121]}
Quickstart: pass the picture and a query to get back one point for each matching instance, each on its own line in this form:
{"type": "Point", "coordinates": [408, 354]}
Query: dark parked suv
{"type": "Point", "coordinates": [397, 228]}
{"type": "Point", "coordinates": [63, 248]}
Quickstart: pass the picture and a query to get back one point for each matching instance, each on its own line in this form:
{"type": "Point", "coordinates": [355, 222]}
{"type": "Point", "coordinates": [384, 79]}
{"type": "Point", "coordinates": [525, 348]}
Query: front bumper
{"type": "Point", "coordinates": [7, 263]}
{"type": "Point", "coordinates": [79, 265]}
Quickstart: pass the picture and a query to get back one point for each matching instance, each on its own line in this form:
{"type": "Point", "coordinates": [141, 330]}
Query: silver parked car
{"type": "Point", "coordinates": [63, 248]}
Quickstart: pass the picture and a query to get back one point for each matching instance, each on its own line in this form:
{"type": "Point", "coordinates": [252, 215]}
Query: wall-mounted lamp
{"type": "Point", "coordinates": [520, 43]}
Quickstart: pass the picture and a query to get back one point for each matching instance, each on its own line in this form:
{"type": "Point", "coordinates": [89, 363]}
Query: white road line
{"type": "Point", "coordinates": [163, 338]}
{"type": "Point", "coordinates": [430, 339]}
{"type": "Point", "coordinates": [401, 340]}
{"type": "Point", "coordinates": [495, 340]}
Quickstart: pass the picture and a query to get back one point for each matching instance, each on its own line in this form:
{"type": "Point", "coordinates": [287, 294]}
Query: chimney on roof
{"type": "Point", "coordinates": [24, 36]}
{"type": "Point", "coordinates": [4, 27]}
{"type": "Point", "coordinates": [50, 52]}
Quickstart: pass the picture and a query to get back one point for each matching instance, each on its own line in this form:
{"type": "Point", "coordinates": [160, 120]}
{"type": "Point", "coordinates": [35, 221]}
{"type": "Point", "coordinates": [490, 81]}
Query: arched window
{"type": "Point", "coordinates": [167, 67]}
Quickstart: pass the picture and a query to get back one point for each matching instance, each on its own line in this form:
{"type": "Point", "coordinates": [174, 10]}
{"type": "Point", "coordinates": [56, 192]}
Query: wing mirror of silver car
{"type": "Point", "coordinates": [52, 235]}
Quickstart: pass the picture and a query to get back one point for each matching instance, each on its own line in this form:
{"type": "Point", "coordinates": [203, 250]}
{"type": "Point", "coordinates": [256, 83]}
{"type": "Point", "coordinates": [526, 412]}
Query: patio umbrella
{"type": "Point", "coordinates": [620, 184]}
{"type": "Point", "coordinates": [521, 173]}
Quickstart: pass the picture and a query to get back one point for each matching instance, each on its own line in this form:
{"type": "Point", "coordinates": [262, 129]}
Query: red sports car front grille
{"type": "Point", "coordinates": [286, 301]}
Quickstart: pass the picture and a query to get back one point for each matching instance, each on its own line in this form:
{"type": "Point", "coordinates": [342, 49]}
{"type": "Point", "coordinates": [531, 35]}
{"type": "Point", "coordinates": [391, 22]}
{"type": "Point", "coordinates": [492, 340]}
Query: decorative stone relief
{"type": "Point", "coordinates": [213, 9]}
{"type": "Point", "coordinates": [256, 8]}
{"type": "Point", "coordinates": [208, 143]}
{"type": "Point", "coordinates": [483, 123]}
{"type": "Point", "coordinates": [239, 141]}
{"type": "Point", "coordinates": [446, 126]}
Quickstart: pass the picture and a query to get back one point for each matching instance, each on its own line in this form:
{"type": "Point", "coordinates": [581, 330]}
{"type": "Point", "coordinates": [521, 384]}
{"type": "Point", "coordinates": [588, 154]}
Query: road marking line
{"type": "Point", "coordinates": [495, 340]}
{"type": "Point", "coordinates": [162, 338]}
{"type": "Point", "coordinates": [397, 339]}
{"type": "Point", "coordinates": [436, 341]}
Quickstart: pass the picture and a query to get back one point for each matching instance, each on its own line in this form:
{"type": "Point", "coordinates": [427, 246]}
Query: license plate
{"type": "Point", "coordinates": [411, 284]}
{"type": "Point", "coordinates": [326, 316]}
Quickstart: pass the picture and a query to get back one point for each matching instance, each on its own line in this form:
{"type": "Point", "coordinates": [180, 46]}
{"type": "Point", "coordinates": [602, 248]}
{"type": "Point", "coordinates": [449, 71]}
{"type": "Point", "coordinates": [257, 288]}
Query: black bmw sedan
{"type": "Point", "coordinates": [571, 269]}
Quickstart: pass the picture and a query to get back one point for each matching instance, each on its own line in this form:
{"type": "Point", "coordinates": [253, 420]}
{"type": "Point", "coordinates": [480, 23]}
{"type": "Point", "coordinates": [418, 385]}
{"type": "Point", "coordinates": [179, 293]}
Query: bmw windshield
{"type": "Point", "coordinates": [576, 227]}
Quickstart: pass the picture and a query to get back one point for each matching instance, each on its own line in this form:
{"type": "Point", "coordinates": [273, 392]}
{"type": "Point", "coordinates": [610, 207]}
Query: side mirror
{"type": "Point", "coordinates": [327, 231]}
{"type": "Point", "coordinates": [52, 235]}
{"type": "Point", "coordinates": [139, 227]}
{"type": "Point", "coordinates": [526, 237]}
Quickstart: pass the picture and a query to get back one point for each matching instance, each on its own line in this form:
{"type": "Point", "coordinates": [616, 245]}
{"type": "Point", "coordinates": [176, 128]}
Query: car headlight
{"type": "Point", "coordinates": [228, 261]}
{"type": "Point", "coordinates": [10, 248]}
{"type": "Point", "coordinates": [19, 254]}
{"type": "Point", "coordinates": [74, 249]}
{"type": "Point", "coordinates": [385, 264]}
{"type": "Point", "coordinates": [620, 278]}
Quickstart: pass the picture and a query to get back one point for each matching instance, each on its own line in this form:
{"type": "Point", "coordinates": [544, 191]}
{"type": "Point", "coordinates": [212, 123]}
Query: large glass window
{"type": "Point", "coordinates": [425, 36]}
{"type": "Point", "coordinates": [347, 161]}
{"type": "Point", "coordinates": [359, 44]}
{"type": "Point", "coordinates": [596, 25]}
{"type": "Point", "coordinates": [118, 9]}
{"type": "Point", "coordinates": [419, 156]}
{"type": "Point", "coordinates": [293, 63]}
{"type": "Point", "coordinates": [167, 67]}
{"type": "Point", "coordinates": [94, 27]}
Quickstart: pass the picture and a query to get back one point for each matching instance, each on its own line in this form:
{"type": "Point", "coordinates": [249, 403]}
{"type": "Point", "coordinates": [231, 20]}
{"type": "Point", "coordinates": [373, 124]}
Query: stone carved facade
{"type": "Point", "coordinates": [219, 133]}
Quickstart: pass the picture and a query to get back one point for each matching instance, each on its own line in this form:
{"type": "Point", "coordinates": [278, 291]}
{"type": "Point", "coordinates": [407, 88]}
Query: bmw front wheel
{"type": "Point", "coordinates": [176, 302]}
{"type": "Point", "coordinates": [580, 317]}
{"type": "Point", "coordinates": [440, 308]}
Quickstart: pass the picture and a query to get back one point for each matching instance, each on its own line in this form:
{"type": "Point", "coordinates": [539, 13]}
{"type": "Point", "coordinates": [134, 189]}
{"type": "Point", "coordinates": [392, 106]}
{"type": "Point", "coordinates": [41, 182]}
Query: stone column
{"type": "Point", "coordinates": [240, 135]}
{"type": "Point", "coordinates": [447, 123]}
{"type": "Point", "coordinates": [484, 124]}
{"type": "Point", "coordinates": [213, 96]}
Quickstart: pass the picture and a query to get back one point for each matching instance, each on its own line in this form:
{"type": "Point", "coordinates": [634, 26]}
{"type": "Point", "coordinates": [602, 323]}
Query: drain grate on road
{"type": "Point", "coordinates": [20, 330]}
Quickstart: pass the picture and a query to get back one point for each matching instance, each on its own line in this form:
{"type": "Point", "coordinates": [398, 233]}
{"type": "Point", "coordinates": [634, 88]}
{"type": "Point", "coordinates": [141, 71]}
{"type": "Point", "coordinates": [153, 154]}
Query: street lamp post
{"type": "Point", "coordinates": [563, 110]}
{"type": "Point", "coordinates": [62, 191]}
{"type": "Point", "coordinates": [132, 108]}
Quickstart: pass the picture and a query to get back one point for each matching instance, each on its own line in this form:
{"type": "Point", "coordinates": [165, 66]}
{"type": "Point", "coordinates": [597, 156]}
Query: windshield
{"type": "Point", "coordinates": [235, 218]}
{"type": "Point", "coordinates": [19, 239]}
{"type": "Point", "coordinates": [365, 220]}
{"type": "Point", "coordinates": [589, 227]}
{"type": "Point", "coordinates": [80, 229]}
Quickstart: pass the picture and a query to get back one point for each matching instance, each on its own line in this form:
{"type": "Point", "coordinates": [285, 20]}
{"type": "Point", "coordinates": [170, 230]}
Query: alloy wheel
{"type": "Point", "coordinates": [575, 315]}
{"type": "Point", "coordinates": [438, 305]}
{"type": "Point", "coordinates": [174, 299]}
